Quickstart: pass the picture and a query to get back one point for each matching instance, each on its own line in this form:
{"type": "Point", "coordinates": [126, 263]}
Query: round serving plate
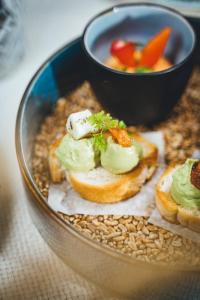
{"type": "Point", "coordinates": [113, 271]}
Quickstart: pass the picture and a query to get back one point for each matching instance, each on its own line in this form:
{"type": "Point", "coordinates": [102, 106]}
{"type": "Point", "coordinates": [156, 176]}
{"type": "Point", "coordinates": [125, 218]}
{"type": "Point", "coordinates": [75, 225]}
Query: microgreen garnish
{"type": "Point", "coordinates": [99, 142]}
{"type": "Point", "coordinates": [122, 124]}
{"type": "Point", "coordinates": [102, 122]}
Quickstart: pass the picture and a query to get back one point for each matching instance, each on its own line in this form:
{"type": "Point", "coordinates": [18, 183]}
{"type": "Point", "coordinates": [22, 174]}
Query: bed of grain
{"type": "Point", "coordinates": [130, 235]}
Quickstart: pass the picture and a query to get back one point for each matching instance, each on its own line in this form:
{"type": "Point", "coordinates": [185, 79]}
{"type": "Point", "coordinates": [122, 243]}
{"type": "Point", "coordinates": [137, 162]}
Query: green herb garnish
{"type": "Point", "coordinates": [122, 124]}
{"type": "Point", "coordinates": [103, 121]}
{"type": "Point", "coordinates": [143, 70]}
{"type": "Point", "coordinates": [99, 142]}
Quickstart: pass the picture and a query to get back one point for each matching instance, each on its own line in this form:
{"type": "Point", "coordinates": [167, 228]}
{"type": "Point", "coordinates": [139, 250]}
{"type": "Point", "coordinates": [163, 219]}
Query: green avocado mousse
{"type": "Point", "coordinates": [118, 159]}
{"type": "Point", "coordinates": [183, 191]}
{"type": "Point", "coordinates": [76, 155]}
{"type": "Point", "coordinates": [97, 139]}
{"type": "Point", "coordinates": [138, 148]}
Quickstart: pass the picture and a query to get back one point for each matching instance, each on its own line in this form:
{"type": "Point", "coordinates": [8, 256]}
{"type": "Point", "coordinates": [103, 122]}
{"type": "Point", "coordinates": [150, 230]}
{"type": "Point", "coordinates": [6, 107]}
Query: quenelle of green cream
{"type": "Point", "coordinates": [76, 155]}
{"type": "Point", "coordinates": [182, 190]}
{"type": "Point", "coordinates": [118, 159]}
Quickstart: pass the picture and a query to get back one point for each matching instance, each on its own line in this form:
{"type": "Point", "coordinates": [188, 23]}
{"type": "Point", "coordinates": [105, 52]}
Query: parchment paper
{"type": "Point", "coordinates": [62, 198]}
{"type": "Point", "coordinates": [156, 219]}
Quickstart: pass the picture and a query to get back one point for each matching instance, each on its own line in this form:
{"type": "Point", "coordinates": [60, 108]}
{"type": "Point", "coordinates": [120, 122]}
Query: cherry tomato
{"type": "Point", "coordinates": [124, 51]}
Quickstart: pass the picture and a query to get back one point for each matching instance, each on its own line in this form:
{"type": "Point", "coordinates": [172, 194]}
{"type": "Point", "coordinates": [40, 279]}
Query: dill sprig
{"type": "Point", "coordinates": [99, 142]}
{"type": "Point", "coordinates": [102, 122]}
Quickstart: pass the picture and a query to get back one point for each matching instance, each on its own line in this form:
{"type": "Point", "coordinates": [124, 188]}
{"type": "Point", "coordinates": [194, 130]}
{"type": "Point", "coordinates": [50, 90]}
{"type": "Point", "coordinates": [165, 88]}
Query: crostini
{"type": "Point", "coordinates": [178, 194]}
{"type": "Point", "coordinates": [102, 161]}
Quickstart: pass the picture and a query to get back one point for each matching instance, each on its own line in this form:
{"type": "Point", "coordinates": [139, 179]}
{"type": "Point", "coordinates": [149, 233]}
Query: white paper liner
{"type": "Point", "coordinates": [62, 198]}
{"type": "Point", "coordinates": [156, 219]}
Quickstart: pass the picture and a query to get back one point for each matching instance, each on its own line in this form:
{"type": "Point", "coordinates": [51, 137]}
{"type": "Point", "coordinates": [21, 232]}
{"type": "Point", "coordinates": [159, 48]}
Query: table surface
{"type": "Point", "coordinates": [28, 268]}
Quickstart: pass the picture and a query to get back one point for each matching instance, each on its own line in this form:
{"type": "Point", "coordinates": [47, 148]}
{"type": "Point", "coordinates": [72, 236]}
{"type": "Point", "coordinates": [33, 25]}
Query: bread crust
{"type": "Point", "coordinates": [55, 169]}
{"type": "Point", "coordinates": [171, 211]}
{"type": "Point", "coordinates": [127, 185]}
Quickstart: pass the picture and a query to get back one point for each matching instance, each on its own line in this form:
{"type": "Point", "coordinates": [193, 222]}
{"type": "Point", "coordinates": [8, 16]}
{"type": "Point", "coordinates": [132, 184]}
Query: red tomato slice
{"type": "Point", "coordinates": [124, 51]}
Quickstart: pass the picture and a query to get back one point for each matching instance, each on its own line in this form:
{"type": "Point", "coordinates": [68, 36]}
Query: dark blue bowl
{"type": "Point", "coordinates": [111, 270]}
{"type": "Point", "coordinates": [139, 98]}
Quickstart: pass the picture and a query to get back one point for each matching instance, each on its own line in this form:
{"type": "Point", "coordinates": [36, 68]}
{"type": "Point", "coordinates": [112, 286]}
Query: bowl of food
{"type": "Point", "coordinates": [123, 254]}
{"type": "Point", "coordinates": [140, 58]}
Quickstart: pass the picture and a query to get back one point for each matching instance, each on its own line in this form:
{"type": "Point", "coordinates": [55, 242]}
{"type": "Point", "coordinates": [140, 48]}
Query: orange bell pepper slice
{"type": "Point", "coordinates": [155, 47]}
{"type": "Point", "coordinates": [121, 136]}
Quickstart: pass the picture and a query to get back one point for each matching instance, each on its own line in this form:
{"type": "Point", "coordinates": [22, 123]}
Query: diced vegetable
{"type": "Point", "coordinates": [121, 136]}
{"type": "Point", "coordinates": [154, 49]}
{"type": "Point", "coordinates": [162, 64]}
{"type": "Point", "coordinates": [143, 70]}
{"type": "Point", "coordinates": [124, 51]}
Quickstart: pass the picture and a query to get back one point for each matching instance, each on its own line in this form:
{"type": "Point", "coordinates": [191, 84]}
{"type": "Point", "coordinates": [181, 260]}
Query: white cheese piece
{"type": "Point", "coordinates": [78, 126]}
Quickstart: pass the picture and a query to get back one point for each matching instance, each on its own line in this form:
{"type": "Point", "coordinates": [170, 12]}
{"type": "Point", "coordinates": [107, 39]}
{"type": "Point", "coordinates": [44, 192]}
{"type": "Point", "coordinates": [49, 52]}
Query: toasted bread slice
{"type": "Point", "coordinates": [168, 208]}
{"type": "Point", "coordinates": [55, 169]}
{"type": "Point", "coordinates": [101, 186]}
